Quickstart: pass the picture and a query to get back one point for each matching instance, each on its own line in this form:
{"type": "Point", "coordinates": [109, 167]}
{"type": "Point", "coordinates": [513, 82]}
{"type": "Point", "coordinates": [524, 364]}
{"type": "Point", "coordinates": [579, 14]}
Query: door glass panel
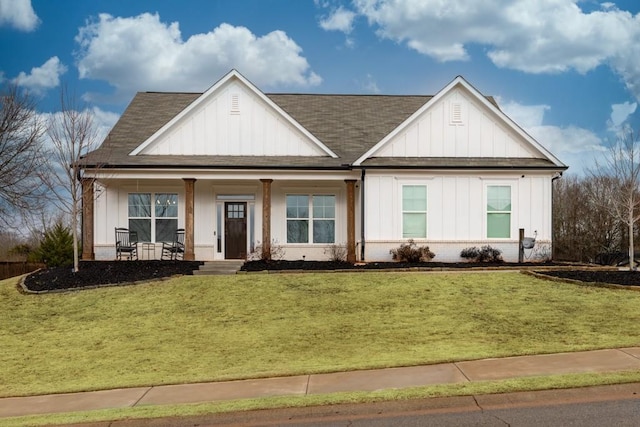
{"type": "Point", "coordinates": [219, 227]}
{"type": "Point", "coordinates": [235, 211]}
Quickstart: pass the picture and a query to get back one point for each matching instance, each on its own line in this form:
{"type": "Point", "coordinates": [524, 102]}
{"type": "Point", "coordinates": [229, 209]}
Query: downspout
{"type": "Point", "coordinates": [362, 211]}
{"type": "Point", "coordinates": [558, 175]}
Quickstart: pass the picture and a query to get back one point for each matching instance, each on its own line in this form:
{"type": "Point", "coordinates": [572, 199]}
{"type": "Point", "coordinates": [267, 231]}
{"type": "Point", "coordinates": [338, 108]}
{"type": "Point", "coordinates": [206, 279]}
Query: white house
{"type": "Point", "coordinates": [237, 168]}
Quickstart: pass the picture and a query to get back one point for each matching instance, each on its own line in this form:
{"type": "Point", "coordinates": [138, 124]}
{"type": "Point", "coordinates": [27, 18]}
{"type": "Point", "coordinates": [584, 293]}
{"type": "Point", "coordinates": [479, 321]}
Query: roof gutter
{"type": "Point", "coordinates": [362, 211]}
{"type": "Point", "coordinates": [226, 167]}
{"type": "Point", "coordinates": [405, 167]}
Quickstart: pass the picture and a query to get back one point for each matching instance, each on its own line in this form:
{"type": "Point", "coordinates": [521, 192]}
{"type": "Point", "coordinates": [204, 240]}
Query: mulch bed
{"type": "Point", "coordinates": [614, 277]}
{"type": "Point", "coordinates": [274, 265]}
{"type": "Point", "coordinates": [96, 273]}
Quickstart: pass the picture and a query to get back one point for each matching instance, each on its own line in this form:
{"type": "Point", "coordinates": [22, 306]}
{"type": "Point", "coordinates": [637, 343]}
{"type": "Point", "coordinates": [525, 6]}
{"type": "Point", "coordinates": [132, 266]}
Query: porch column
{"type": "Point", "coordinates": [266, 218]}
{"type": "Point", "coordinates": [351, 220]}
{"type": "Point", "coordinates": [87, 219]}
{"type": "Point", "coordinates": [189, 254]}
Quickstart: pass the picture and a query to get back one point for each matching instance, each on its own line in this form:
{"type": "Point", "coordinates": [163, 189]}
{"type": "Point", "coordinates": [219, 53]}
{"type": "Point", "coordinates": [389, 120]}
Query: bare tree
{"type": "Point", "coordinates": [73, 134]}
{"type": "Point", "coordinates": [618, 183]}
{"type": "Point", "coordinates": [583, 225]}
{"type": "Point", "coordinates": [21, 155]}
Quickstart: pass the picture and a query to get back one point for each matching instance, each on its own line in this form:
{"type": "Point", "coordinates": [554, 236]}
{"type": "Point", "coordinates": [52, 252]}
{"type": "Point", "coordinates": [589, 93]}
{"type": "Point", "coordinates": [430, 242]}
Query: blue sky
{"type": "Point", "coordinates": [567, 71]}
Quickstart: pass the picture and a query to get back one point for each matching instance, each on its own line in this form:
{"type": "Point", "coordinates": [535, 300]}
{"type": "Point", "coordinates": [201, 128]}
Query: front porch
{"type": "Point", "coordinates": [299, 217]}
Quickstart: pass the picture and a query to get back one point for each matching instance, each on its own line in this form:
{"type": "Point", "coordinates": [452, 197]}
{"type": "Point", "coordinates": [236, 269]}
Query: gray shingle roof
{"type": "Point", "coordinates": [349, 125]}
{"type": "Point", "coordinates": [146, 113]}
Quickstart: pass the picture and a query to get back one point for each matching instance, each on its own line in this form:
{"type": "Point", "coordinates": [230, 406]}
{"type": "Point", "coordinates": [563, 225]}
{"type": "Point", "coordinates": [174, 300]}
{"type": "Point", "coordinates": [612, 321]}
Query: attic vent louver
{"type": "Point", "coordinates": [235, 104]}
{"type": "Point", "coordinates": [456, 113]}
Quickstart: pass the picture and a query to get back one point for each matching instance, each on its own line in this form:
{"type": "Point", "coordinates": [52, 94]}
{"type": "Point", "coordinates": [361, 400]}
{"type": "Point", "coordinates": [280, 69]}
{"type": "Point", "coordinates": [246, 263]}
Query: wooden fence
{"type": "Point", "coordinates": [16, 268]}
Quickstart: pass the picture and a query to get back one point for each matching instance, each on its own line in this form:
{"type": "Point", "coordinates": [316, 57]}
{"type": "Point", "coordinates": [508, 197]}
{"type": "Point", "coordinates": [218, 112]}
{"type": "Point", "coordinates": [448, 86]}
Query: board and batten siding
{"type": "Point", "coordinates": [456, 211]}
{"type": "Point", "coordinates": [456, 126]}
{"type": "Point", "coordinates": [111, 210]}
{"type": "Point", "coordinates": [234, 122]}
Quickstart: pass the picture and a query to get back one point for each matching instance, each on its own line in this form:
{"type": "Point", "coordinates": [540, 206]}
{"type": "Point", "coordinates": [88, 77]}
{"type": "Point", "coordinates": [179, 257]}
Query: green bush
{"type": "Point", "coordinates": [411, 252]}
{"type": "Point", "coordinates": [56, 249]}
{"type": "Point", "coordinates": [23, 251]}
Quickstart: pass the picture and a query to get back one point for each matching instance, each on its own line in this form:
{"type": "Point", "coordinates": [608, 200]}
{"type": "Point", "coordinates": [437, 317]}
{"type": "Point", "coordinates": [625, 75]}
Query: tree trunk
{"type": "Point", "coordinates": [632, 260]}
{"type": "Point", "coordinates": [74, 225]}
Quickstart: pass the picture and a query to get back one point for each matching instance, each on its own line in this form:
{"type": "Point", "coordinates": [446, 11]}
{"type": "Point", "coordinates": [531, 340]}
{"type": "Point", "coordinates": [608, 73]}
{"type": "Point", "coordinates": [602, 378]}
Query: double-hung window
{"type": "Point", "coordinates": [154, 216]}
{"type": "Point", "coordinates": [311, 218]}
{"type": "Point", "coordinates": [324, 219]}
{"type": "Point", "coordinates": [414, 211]}
{"type": "Point", "coordinates": [498, 211]}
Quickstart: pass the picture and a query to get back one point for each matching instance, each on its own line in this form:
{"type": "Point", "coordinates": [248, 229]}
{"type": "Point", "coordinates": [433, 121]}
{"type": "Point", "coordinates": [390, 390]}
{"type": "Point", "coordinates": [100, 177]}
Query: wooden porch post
{"type": "Point", "coordinates": [351, 220]}
{"type": "Point", "coordinates": [189, 253]}
{"type": "Point", "coordinates": [87, 220]}
{"type": "Point", "coordinates": [266, 218]}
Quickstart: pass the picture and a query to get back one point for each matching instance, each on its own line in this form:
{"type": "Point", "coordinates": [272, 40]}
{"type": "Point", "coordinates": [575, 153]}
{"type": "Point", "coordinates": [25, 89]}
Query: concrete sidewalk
{"type": "Point", "coordinates": [613, 360]}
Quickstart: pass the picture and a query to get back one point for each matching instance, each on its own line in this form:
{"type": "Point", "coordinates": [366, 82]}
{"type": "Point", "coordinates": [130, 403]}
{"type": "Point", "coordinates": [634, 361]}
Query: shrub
{"type": "Point", "coordinates": [470, 254]}
{"type": "Point", "coordinates": [56, 249]}
{"type": "Point", "coordinates": [411, 252]}
{"type": "Point", "coordinates": [336, 253]}
{"type": "Point", "coordinates": [484, 254]}
{"type": "Point", "coordinates": [23, 251]}
{"type": "Point", "coordinates": [276, 252]}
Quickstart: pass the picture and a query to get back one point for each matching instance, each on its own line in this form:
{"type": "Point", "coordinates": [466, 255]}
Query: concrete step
{"type": "Point", "coordinates": [219, 267]}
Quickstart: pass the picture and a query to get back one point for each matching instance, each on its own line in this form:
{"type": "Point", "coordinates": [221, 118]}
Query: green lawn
{"type": "Point", "coordinates": [218, 328]}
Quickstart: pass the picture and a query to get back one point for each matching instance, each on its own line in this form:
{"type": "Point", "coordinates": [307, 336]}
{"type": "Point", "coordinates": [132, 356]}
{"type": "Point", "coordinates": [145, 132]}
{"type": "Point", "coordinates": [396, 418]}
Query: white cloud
{"type": "Point", "coordinates": [575, 146]}
{"type": "Point", "coordinates": [18, 14]}
{"type": "Point", "coordinates": [143, 53]}
{"type": "Point", "coordinates": [542, 36]}
{"type": "Point", "coordinates": [103, 121]}
{"type": "Point", "coordinates": [621, 112]}
{"type": "Point", "coordinates": [569, 139]}
{"type": "Point", "coordinates": [369, 84]}
{"type": "Point", "coordinates": [526, 116]}
{"type": "Point", "coordinates": [340, 19]}
{"type": "Point", "coordinates": [46, 76]}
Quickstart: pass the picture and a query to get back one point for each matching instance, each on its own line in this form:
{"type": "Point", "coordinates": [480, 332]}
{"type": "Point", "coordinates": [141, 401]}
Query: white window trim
{"type": "Point", "coordinates": [152, 208]}
{"type": "Point", "coordinates": [486, 212]}
{"type": "Point", "coordinates": [402, 211]}
{"type": "Point", "coordinates": [310, 218]}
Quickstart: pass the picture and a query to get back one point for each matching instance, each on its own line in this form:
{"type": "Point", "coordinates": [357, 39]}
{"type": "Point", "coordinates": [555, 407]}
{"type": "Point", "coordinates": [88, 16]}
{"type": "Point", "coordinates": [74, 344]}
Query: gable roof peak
{"type": "Point", "coordinates": [461, 81]}
{"type": "Point", "coordinates": [200, 100]}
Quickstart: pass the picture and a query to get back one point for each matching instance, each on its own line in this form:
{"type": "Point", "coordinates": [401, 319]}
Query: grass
{"type": "Point", "coordinates": [197, 328]}
{"type": "Point", "coordinates": [444, 390]}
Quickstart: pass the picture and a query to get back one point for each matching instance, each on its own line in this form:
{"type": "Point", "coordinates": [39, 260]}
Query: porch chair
{"type": "Point", "coordinates": [126, 243]}
{"type": "Point", "coordinates": [174, 250]}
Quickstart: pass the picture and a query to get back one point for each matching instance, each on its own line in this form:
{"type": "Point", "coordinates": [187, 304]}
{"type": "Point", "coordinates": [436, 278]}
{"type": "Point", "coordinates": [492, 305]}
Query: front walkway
{"type": "Point", "coordinates": [613, 360]}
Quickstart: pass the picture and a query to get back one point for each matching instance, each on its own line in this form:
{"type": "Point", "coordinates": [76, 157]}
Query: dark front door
{"type": "Point", "coordinates": [235, 230]}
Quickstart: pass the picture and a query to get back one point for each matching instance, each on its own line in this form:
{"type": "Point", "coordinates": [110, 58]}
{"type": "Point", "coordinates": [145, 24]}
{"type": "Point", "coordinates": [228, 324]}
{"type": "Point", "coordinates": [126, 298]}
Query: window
{"type": "Point", "coordinates": [498, 211]}
{"type": "Point", "coordinates": [140, 215]}
{"type": "Point", "coordinates": [311, 218]}
{"type": "Point", "coordinates": [324, 219]}
{"type": "Point", "coordinates": [414, 211]}
{"type": "Point", "coordinates": [297, 219]}
{"type": "Point", "coordinates": [160, 222]}
{"type": "Point", "coordinates": [219, 209]}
